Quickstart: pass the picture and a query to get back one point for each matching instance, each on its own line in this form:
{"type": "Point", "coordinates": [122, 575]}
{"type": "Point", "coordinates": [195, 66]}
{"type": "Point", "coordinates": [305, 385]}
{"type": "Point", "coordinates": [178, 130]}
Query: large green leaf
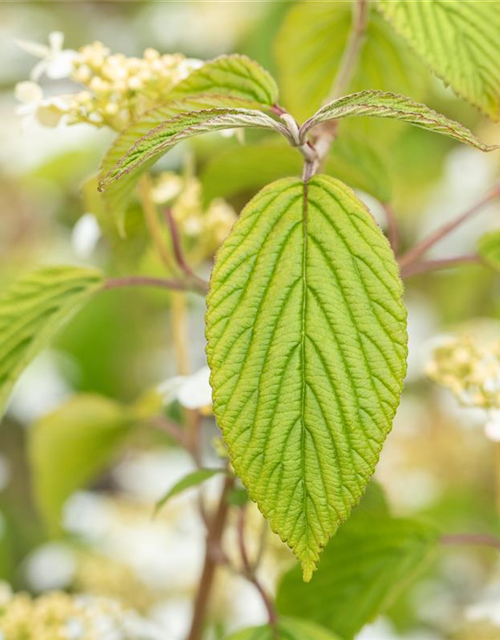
{"type": "Point", "coordinates": [70, 446]}
{"type": "Point", "coordinates": [287, 629]}
{"type": "Point", "coordinates": [233, 75]}
{"type": "Point", "coordinates": [390, 105]}
{"type": "Point", "coordinates": [249, 168]}
{"type": "Point", "coordinates": [363, 569]}
{"type": "Point", "coordinates": [32, 310]}
{"type": "Point", "coordinates": [459, 40]}
{"type": "Point", "coordinates": [309, 49]}
{"type": "Point", "coordinates": [307, 345]}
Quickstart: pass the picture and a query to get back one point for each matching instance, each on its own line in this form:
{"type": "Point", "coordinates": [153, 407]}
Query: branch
{"type": "Point", "coordinates": [471, 539]}
{"type": "Point", "coordinates": [174, 284]}
{"type": "Point", "coordinates": [414, 269]}
{"type": "Point", "coordinates": [422, 247]}
{"type": "Point", "coordinates": [249, 570]}
{"type": "Point", "coordinates": [392, 226]}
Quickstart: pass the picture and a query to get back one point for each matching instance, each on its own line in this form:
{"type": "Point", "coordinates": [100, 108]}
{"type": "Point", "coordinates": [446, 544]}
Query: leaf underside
{"type": "Point", "coordinates": [32, 310]}
{"type": "Point", "coordinates": [307, 347]}
{"type": "Point", "coordinates": [459, 41]}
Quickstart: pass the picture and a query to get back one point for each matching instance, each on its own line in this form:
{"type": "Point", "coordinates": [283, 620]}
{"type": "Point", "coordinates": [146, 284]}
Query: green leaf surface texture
{"type": "Point", "coordinates": [32, 311]}
{"type": "Point", "coordinates": [458, 39]}
{"type": "Point", "coordinates": [390, 105]}
{"type": "Point", "coordinates": [307, 347]}
{"type": "Point", "coordinates": [363, 569]}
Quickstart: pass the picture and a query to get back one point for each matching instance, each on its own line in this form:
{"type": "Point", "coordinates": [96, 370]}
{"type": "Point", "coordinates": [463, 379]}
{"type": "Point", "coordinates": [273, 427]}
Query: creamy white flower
{"type": "Point", "coordinates": [193, 392]}
{"type": "Point", "coordinates": [55, 62]}
{"type": "Point", "coordinates": [85, 236]}
{"type": "Point", "coordinates": [48, 111]}
{"type": "Point", "coordinates": [492, 426]}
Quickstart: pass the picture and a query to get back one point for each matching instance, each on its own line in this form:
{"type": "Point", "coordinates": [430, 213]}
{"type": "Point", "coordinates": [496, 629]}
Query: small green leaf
{"type": "Point", "coordinates": [249, 168]}
{"type": "Point", "coordinates": [233, 75]}
{"type": "Point", "coordinates": [307, 345]}
{"type": "Point", "coordinates": [459, 41]}
{"type": "Point", "coordinates": [364, 568]}
{"type": "Point", "coordinates": [287, 629]}
{"type": "Point", "coordinates": [390, 105]}
{"type": "Point", "coordinates": [310, 46]}
{"type": "Point", "coordinates": [71, 446]}
{"type": "Point", "coordinates": [191, 480]}
{"type": "Point", "coordinates": [33, 310]}
{"type": "Point", "coordinates": [488, 248]}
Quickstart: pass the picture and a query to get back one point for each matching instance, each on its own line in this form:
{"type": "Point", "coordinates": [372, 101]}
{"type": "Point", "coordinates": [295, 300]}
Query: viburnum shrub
{"type": "Point", "coordinates": [305, 320]}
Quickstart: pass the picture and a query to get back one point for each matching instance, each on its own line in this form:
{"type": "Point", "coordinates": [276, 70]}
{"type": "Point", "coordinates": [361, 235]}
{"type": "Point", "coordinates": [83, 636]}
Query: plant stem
{"type": "Point", "coordinates": [153, 223]}
{"type": "Point", "coordinates": [174, 284]}
{"type": "Point", "coordinates": [249, 570]}
{"type": "Point", "coordinates": [433, 265]}
{"type": "Point", "coordinates": [422, 247]}
{"type": "Point", "coordinates": [353, 49]}
{"type": "Point", "coordinates": [392, 226]}
{"type": "Point", "coordinates": [471, 539]}
{"type": "Point", "coordinates": [213, 550]}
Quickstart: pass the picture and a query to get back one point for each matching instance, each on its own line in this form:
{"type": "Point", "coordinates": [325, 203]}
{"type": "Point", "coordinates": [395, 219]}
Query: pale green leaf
{"type": "Point", "coordinates": [307, 346]}
{"type": "Point", "coordinates": [232, 75]}
{"type": "Point", "coordinates": [459, 41]}
{"type": "Point", "coordinates": [310, 46]}
{"type": "Point", "coordinates": [390, 105]}
{"type": "Point", "coordinates": [188, 482]}
{"type": "Point", "coordinates": [489, 249]}
{"type": "Point", "coordinates": [33, 310]}
{"type": "Point", "coordinates": [249, 168]}
{"type": "Point", "coordinates": [71, 446]}
{"type": "Point", "coordinates": [363, 569]}
{"type": "Point", "coordinates": [148, 149]}
{"type": "Point", "coordinates": [287, 629]}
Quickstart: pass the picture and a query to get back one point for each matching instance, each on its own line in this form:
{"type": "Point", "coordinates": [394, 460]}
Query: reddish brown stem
{"type": "Point", "coordinates": [174, 284]}
{"type": "Point", "coordinates": [249, 570]}
{"type": "Point", "coordinates": [472, 539]}
{"type": "Point", "coordinates": [392, 226]}
{"type": "Point", "coordinates": [419, 249]}
{"type": "Point", "coordinates": [434, 265]}
{"type": "Point", "coordinates": [212, 558]}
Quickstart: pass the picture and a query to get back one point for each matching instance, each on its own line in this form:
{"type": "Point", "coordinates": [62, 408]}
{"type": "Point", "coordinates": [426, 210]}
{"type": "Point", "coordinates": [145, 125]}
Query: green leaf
{"type": "Point", "coordinates": [310, 46]}
{"type": "Point", "coordinates": [233, 75]}
{"type": "Point", "coordinates": [364, 568]}
{"type": "Point", "coordinates": [33, 310]}
{"type": "Point", "coordinates": [191, 480]}
{"type": "Point", "coordinates": [459, 41]}
{"type": "Point", "coordinates": [249, 168]}
{"type": "Point", "coordinates": [287, 629]}
{"type": "Point", "coordinates": [307, 346]}
{"type": "Point", "coordinates": [488, 248]}
{"type": "Point", "coordinates": [71, 446]}
{"type": "Point", "coordinates": [390, 105]}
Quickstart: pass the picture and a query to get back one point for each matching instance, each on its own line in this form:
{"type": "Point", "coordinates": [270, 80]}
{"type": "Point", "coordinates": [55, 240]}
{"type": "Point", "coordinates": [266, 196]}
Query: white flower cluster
{"type": "Point", "coordinates": [117, 88]}
{"type": "Point", "coordinates": [471, 371]}
{"type": "Point", "coordinates": [60, 616]}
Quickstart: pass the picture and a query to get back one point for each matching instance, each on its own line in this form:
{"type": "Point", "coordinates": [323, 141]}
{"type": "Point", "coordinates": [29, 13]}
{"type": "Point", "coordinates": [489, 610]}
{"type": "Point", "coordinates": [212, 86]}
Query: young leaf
{"type": "Point", "coordinates": [489, 249]}
{"type": "Point", "coordinates": [459, 41]}
{"type": "Point", "coordinates": [191, 480]}
{"type": "Point", "coordinates": [161, 139]}
{"type": "Point", "coordinates": [390, 105]}
{"type": "Point", "coordinates": [233, 75]}
{"type": "Point", "coordinates": [287, 629]}
{"type": "Point", "coordinates": [310, 46]}
{"type": "Point", "coordinates": [70, 446]}
{"type": "Point", "coordinates": [307, 346]}
{"type": "Point", "coordinates": [368, 563]}
{"type": "Point", "coordinates": [352, 160]}
{"type": "Point", "coordinates": [33, 310]}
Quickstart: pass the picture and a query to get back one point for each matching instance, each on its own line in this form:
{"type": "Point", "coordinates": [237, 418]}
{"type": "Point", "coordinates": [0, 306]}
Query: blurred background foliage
{"type": "Point", "coordinates": [437, 463]}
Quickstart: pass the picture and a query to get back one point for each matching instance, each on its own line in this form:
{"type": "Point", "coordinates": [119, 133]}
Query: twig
{"type": "Point", "coordinates": [213, 549]}
{"type": "Point", "coordinates": [472, 539]}
{"type": "Point", "coordinates": [392, 226]}
{"type": "Point", "coordinates": [249, 570]}
{"type": "Point", "coordinates": [164, 424]}
{"type": "Point", "coordinates": [414, 269]}
{"type": "Point", "coordinates": [174, 284]}
{"type": "Point", "coordinates": [422, 247]}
